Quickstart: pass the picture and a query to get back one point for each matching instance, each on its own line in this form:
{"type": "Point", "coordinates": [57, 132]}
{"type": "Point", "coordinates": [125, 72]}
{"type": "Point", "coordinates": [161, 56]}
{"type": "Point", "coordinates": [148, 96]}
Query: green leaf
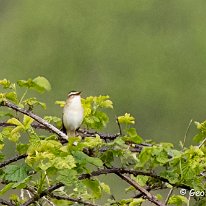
{"type": "Point", "coordinates": [177, 200]}
{"type": "Point", "coordinates": [142, 180]}
{"type": "Point", "coordinates": [83, 159]}
{"type": "Point", "coordinates": [126, 119]}
{"type": "Point", "coordinates": [31, 102]}
{"type": "Point", "coordinates": [26, 83]}
{"type": "Point", "coordinates": [67, 162]}
{"type": "Point", "coordinates": [94, 118]}
{"type": "Point", "coordinates": [94, 186]}
{"type": "Point", "coordinates": [15, 122]}
{"type": "Point", "coordinates": [136, 202]}
{"type": "Point", "coordinates": [7, 84]}
{"type": "Point", "coordinates": [5, 114]}
{"type": "Point", "coordinates": [133, 136]}
{"type": "Point", "coordinates": [6, 188]}
{"type": "Point", "coordinates": [22, 148]}
{"type": "Point", "coordinates": [42, 84]}
{"type": "Point", "coordinates": [15, 133]}
{"type": "Point", "coordinates": [92, 142]}
{"type": "Point", "coordinates": [60, 103]}
{"type": "Point", "coordinates": [199, 137]}
{"type": "Point", "coordinates": [11, 96]}
{"type": "Point", "coordinates": [15, 173]}
{"type": "Point", "coordinates": [145, 156]}
{"type": "Point", "coordinates": [105, 187]}
{"type": "Point", "coordinates": [21, 184]}
{"type": "Point", "coordinates": [67, 176]}
{"type": "Point", "coordinates": [54, 119]}
{"type": "Point", "coordinates": [27, 122]}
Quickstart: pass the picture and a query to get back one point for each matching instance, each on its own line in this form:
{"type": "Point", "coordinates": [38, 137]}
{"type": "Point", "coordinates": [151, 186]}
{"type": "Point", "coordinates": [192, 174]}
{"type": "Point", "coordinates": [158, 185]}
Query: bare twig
{"type": "Point", "coordinates": [42, 194]}
{"type": "Point", "coordinates": [35, 117]}
{"type": "Point", "coordinates": [202, 143]}
{"type": "Point", "coordinates": [13, 159]}
{"type": "Point", "coordinates": [120, 129]}
{"type": "Point", "coordinates": [187, 130]}
{"type": "Point", "coordinates": [169, 195]}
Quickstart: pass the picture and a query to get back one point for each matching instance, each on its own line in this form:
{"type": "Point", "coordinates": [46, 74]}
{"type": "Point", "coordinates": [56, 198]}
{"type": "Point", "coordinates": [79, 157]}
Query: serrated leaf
{"type": "Point", "coordinates": [15, 173]}
{"type": "Point", "coordinates": [83, 159]}
{"type": "Point", "coordinates": [66, 176]}
{"type": "Point", "coordinates": [67, 162]}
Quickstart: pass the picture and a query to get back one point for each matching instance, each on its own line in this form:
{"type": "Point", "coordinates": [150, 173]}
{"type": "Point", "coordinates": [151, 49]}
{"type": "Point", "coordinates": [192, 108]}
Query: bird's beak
{"type": "Point", "coordinates": [79, 93]}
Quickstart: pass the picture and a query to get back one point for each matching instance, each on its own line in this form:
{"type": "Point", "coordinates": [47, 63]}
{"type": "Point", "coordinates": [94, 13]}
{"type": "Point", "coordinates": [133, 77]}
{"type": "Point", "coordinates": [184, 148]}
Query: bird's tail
{"type": "Point", "coordinates": [71, 133]}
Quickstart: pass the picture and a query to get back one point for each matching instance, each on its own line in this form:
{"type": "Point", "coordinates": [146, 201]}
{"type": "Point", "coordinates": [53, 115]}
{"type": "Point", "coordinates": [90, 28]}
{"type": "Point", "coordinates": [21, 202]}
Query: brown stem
{"type": "Point", "coordinates": [35, 117]}
{"type": "Point", "coordinates": [13, 159]}
{"type": "Point", "coordinates": [58, 197]}
{"type": "Point", "coordinates": [148, 195]}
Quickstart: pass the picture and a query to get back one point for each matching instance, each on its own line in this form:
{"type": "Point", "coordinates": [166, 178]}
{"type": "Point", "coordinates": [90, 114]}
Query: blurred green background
{"type": "Point", "coordinates": [148, 55]}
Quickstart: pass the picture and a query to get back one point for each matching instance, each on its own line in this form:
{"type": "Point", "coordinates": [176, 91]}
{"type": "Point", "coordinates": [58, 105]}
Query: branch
{"type": "Point", "coordinates": [42, 194]}
{"type": "Point", "coordinates": [148, 195]}
{"type": "Point", "coordinates": [87, 133]}
{"type": "Point", "coordinates": [130, 171]}
{"type": "Point", "coordinates": [35, 117]}
{"type": "Point", "coordinates": [4, 202]}
{"type": "Point", "coordinates": [58, 197]}
{"type": "Point", "coordinates": [49, 192]}
{"type": "Point", "coordinates": [13, 159]}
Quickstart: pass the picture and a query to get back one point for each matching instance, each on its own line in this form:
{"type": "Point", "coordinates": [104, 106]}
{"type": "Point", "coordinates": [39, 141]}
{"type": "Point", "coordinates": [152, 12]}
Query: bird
{"type": "Point", "coordinates": [73, 113]}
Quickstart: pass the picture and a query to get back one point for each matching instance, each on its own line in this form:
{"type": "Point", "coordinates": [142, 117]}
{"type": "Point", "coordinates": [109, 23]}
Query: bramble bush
{"type": "Point", "coordinates": [47, 168]}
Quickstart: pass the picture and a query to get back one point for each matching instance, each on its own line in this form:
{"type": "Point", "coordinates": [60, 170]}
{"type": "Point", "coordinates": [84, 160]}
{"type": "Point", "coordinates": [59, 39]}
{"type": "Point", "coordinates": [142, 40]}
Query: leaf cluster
{"type": "Point", "coordinates": [66, 174]}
